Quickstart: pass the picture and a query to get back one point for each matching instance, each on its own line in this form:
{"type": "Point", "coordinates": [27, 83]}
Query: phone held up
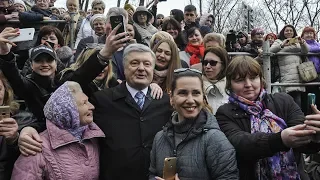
{"type": "Point", "coordinates": [169, 168]}
{"type": "Point", "coordinates": [311, 100]}
{"type": "Point", "coordinates": [26, 34]}
{"type": "Point", "coordinates": [115, 20]}
{"type": "Point", "coordinates": [4, 112]}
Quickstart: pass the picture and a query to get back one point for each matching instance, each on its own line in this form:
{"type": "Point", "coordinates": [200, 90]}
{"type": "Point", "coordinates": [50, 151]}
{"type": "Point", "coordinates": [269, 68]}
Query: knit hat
{"type": "Point", "coordinates": [96, 16]}
{"type": "Point", "coordinates": [309, 29]}
{"type": "Point", "coordinates": [20, 2]}
{"type": "Point", "coordinates": [256, 31]}
{"type": "Point", "coordinates": [141, 9]}
{"type": "Point", "coordinates": [129, 6]}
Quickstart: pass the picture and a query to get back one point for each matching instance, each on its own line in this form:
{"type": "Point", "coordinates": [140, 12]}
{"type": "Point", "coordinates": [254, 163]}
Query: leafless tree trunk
{"type": "Point", "coordinates": [141, 3]}
{"type": "Point", "coordinates": [313, 10]}
{"type": "Point", "coordinates": [200, 5]}
{"type": "Point", "coordinates": [118, 3]}
{"type": "Point", "coordinates": [86, 6]}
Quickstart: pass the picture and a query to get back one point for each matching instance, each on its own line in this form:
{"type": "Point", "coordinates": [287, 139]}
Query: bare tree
{"type": "Point", "coordinates": [225, 13]}
{"type": "Point", "coordinates": [313, 10]}
{"type": "Point", "coordinates": [118, 3]}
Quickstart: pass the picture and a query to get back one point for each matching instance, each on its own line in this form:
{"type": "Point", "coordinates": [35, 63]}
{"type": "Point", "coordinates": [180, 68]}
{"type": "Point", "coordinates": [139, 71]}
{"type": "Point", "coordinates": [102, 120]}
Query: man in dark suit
{"type": "Point", "coordinates": [130, 118]}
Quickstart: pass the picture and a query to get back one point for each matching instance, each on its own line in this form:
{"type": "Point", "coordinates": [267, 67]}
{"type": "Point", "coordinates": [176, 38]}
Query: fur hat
{"type": "Point", "coordinates": [309, 29]}
{"type": "Point", "coordinates": [141, 9]}
{"type": "Point", "coordinates": [20, 2]}
{"type": "Point", "coordinates": [96, 16]}
{"type": "Point", "coordinates": [256, 31]}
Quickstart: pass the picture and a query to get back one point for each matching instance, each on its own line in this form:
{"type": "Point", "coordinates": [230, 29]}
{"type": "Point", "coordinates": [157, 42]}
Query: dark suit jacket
{"type": "Point", "coordinates": [125, 152]}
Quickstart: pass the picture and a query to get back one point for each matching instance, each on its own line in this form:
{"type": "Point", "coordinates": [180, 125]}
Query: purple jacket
{"type": "Point", "coordinates": [314, 47]}
{"type": "Point", "coordinates": [62, 157]}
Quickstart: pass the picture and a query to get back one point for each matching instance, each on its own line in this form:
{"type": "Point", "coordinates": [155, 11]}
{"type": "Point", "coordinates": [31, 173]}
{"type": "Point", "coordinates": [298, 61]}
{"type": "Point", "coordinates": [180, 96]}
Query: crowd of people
{"type": "Point", "coordinates": [114, 105]}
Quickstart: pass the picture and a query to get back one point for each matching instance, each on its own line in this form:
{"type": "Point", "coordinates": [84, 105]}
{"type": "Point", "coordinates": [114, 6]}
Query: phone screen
{"type": "Point", "coordinates": [115, 20]}
{"type": "Point", "coordinates": [311, 100]}
{"type": "Point", "coordinates": [4, 112]}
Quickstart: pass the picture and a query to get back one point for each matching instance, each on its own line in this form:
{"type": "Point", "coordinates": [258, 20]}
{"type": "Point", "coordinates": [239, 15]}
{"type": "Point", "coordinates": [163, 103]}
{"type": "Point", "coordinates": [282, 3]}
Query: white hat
{"type": "Point", "coordinates": [96, 16]}
{"type": "Point", "coordinates": [20, 2]}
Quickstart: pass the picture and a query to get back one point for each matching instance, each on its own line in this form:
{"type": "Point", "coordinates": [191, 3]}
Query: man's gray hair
{"type": "Point", "coordinates": [137, 48]}
{"type": "Point", "coordinates": [116, 11]}
{"type": "Point", "coordinates": [98, 2]}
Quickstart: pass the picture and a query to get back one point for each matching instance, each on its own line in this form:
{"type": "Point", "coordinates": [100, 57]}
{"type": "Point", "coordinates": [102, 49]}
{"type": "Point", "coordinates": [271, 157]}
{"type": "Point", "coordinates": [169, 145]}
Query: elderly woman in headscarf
{"type": "Point", "coordinates": [69, 149]}
{"type": "Point", "coordinates": [141, 20]}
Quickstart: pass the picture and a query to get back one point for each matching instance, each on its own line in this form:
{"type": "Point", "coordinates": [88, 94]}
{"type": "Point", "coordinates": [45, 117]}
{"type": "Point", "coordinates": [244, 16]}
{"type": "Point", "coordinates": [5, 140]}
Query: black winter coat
{"type": "Point", "coordinates": [235, 123]}
{"type": "Point", "coordinates": [204, 154]}
{"type": "Point", "coordinates": [36, 89]}
{"type": "Point", "coordinates": [125, 151]}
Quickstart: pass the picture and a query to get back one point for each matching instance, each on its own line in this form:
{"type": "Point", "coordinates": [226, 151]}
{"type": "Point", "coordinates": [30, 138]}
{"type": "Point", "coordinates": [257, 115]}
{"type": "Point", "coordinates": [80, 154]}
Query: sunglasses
{"type": "Point", "coordinates": [211, 62]}
{"type": "Point", "coordinates": [180, 70]}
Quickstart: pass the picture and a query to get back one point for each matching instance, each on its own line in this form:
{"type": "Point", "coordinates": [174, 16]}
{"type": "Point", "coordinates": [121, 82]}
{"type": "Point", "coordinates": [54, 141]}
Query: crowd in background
{"type": "Point", "coordinates": [103, 103]}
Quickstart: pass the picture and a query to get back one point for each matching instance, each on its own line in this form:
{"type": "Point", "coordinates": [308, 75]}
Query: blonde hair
{"type": "Point", "coordinates": [215, 37]}
{"type": "Point", "coordinates": [83, 57]}
{"type": "Point", "coordinates": [158, 37]}
{"type": "Point", "coordinates": [8, 99]}
{"type": "Point", "coordinates": [175, 62]}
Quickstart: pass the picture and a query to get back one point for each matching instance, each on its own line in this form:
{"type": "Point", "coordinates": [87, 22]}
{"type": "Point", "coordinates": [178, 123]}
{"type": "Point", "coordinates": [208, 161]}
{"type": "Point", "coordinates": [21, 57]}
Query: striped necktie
{"type": "Point", "coordinates": [140, 97]}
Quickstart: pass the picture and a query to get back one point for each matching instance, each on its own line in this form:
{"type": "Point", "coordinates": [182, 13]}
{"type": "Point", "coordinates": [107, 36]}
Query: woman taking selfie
{"type": "Point", "coordinates": [192, 135]}
{"type": "Point", "coordinates": [37, 88]}
{"type": "Point", "coordinates": [267, 131]}
{"type": "Point", "coordinates": [167, 60]}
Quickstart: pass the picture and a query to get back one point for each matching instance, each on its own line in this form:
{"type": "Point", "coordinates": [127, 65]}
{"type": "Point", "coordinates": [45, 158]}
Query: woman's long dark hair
{"type": "Point", "coordinates": [179, 40]}
{"type": "Point", "coordinates": [281, 34]}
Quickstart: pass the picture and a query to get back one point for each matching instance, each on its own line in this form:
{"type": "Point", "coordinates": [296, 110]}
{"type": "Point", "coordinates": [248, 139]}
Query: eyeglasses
{"type": "Point", "coordinates": [211, 62]}
{"type": "Point", "coordinates": [180, 70]}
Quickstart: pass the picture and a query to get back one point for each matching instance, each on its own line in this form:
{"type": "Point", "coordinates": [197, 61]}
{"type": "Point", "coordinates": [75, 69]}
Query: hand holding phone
{"type": "Point", "coordinates": [26, 34]}
{"type": "Point", "coordinates": [4, 112]}
{"type": "Point", "coordinates": [115, 21]}
{"type": "Point", "coordinates": [169, 168]}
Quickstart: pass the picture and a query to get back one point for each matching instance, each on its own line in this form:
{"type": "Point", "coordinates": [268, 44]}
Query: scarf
{"type": "Point", "coordinates": [61, 109]}
{"type": "Point", "coordinates": [280, 166]}
{"type": "Point", "coordinates": [195, 51]}
{"type": "Point", "coordinates": [159, 77]}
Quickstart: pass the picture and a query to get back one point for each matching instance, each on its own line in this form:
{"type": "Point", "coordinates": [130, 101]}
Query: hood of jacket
{"type": "Point", "coordinates": [203, 123]}
{"type": "Point", "coordinates": [61, 109]}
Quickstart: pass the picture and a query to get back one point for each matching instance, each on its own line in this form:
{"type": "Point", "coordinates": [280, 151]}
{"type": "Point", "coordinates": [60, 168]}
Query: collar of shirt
{"type": "Point", "coordinates": [133, 91]}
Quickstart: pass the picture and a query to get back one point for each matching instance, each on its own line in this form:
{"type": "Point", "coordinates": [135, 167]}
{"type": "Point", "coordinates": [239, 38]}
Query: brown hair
{"type": "Point", "coordinates": [175, 62]}
{"type": "Point", "coordinates": [189, 73]}
{"type": "Point", "coordinates": [47, 30]}
{"type": "Point", "coordinates": [309, 29]}
{"type": "Point", "coordinates": [240, 67]}
{"type": "Point", "coordinates": [8, 99]}
{"type": "Point", "coordinates": [223, 55]}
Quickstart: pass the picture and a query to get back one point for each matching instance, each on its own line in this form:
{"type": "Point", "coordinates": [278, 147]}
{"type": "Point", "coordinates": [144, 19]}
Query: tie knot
{"type": "Point", "coordinates": [139, 95]}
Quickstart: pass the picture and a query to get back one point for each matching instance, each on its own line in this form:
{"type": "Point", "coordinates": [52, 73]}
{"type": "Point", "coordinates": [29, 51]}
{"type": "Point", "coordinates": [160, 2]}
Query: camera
{"type": "Point", "coordinates": [232, 41]}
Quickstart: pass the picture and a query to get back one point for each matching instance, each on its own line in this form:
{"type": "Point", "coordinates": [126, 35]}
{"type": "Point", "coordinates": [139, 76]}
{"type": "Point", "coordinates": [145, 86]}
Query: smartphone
{"type": "Point", "coordinates": [51, 44]}
{"type": "Point", "coordinates": [26, 34]}
{"type": "Point", "coordinates": [115, 20]}
{"type": "Point", "coordinates": [293, 41]}
{"type": "Point", "coordinates": [311, 100]}
{"type": "Point", "coordinates": [4, 112]}
{"type": "Point", "coordinates": [169, 168]}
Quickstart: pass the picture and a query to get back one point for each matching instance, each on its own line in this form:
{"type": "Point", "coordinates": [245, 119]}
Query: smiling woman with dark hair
{"type": "Point", "coordinates": [192, 135]}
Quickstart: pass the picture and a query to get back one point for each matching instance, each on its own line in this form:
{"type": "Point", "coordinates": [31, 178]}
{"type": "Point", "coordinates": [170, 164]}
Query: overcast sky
{"type": "Point", "coordinates": [163, 7]}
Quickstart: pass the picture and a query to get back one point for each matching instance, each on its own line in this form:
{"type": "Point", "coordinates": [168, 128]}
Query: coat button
{"type": "Point", "coordinates": [141, 119]}
{"type": "Point", "coordinates": [86, 163]}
